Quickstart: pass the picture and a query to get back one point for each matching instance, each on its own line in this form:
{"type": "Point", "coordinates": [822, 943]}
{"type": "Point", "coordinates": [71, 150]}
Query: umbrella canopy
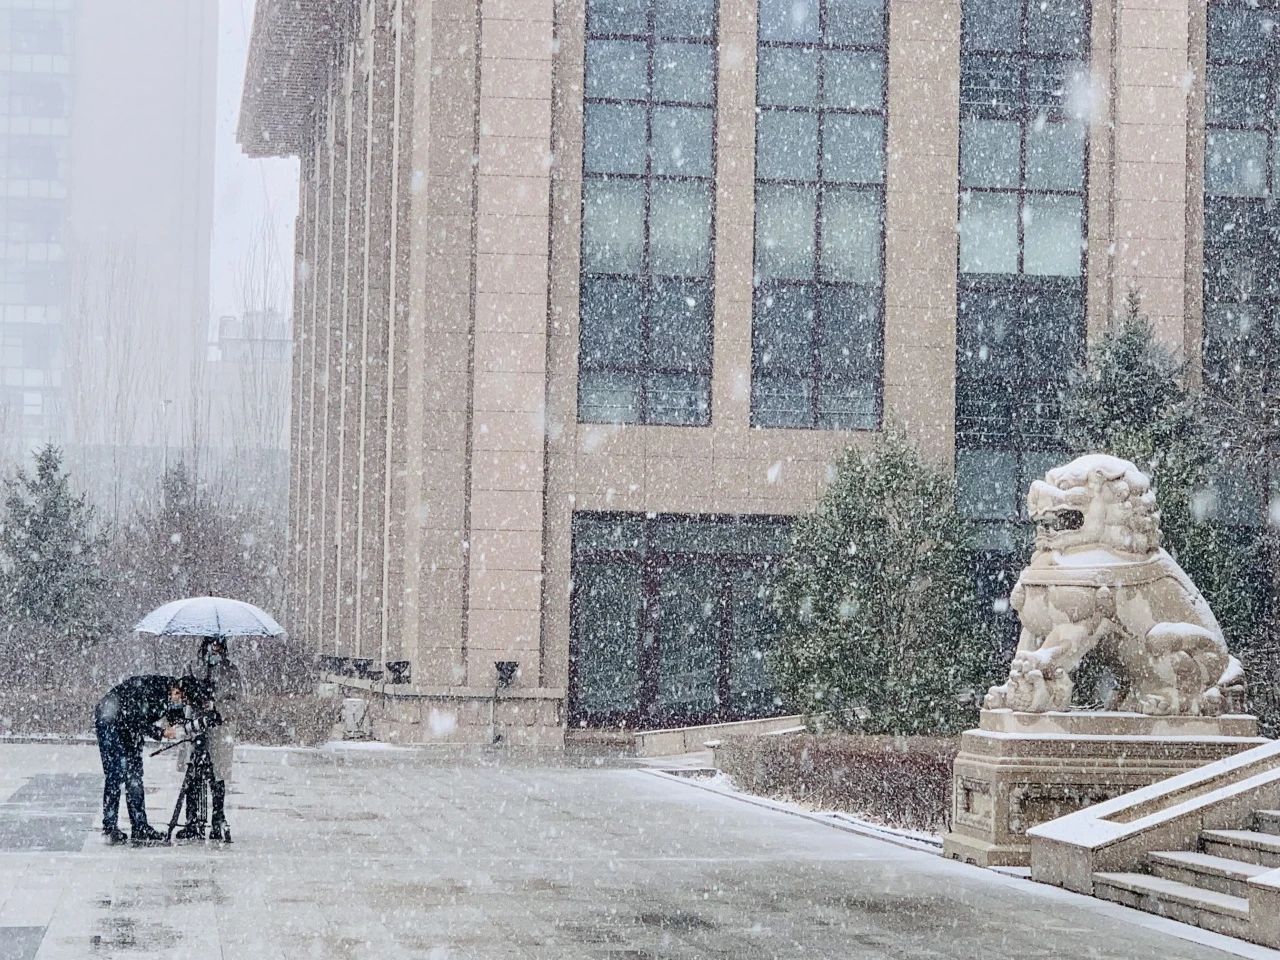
{"type": "Point", "coordinates": [209, 617]}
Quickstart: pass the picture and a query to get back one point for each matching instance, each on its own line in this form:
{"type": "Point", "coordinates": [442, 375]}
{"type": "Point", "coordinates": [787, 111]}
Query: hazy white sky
{"type": "Point", "coordinates": [245, 191]}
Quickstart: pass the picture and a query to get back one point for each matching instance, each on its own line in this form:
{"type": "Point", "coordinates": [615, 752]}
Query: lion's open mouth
{"type": "Point", "coordinates": [1061, 520]}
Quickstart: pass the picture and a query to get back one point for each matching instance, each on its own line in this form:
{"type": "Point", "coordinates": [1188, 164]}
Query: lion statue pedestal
{"type": "Point", "coordinates": [1099, 586]}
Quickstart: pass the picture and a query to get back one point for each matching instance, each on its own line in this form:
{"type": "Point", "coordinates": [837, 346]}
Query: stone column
{"type": "Point", "coordinates": [336, 271]}
{"type": "Point", "coordinates": [445, 132]}
{"type": "Point", "coordinates": [512, 213]}
{"type": "Point", "coordinates": [1151, 81]}
{"type": "Point", "coordinates": [299, 412]}
{"type": "Point", "coordinates": [398, 458]}
{"type": "Point", "coordinates": [348, 499]}
{"type": "Point", "coordinates": [920, 215]}
{"type": "Point", "coordinates": [377, 324]}
{"type": "Point", "coordinates": [318, 377]}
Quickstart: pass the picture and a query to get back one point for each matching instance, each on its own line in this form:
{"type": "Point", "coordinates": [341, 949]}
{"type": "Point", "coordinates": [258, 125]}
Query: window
{"type": "Point", "coordinates": [31, 220]}
{"type": "Point", "coordinates": [33, 31]}
{"type": "Point", "coordinates": [648, 212]}
{"type": "Point", "coordinates": [817, 335]}
{"type": "Point", "coordinates": [671, 619]}
{"type": "Point", "coordinates": [1022, 215]}
{"type": "Point", "coordinates": [34, 95]}
{"type": "Point", "coordinates": [33, 158]}
{"type": "Point", "coordinates": [1242, 225]}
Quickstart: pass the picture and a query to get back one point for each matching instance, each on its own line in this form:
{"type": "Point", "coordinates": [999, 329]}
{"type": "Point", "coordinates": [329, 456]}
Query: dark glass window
{"type": "Point", "coordinates": [32, 158]}
{"type": "Point", "coordinates": [817, 336]}
{"type": "Point", "coordinates": [1242, 224]}
{"type": "Point", "coordinates": [33, 31]}
{"type": "Point", "coordinates": [35, 95]}
{"type": "Point", "coordinates": [671, 619]}
{"type": "Point", "coordinates": [1020, 322]}
{"type": "Point", "coordinates": [648, 212]}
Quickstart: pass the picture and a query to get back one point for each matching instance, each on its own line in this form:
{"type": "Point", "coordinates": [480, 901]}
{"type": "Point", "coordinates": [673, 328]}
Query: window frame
{"type": "Point", "coordinates": [817, 284]}
{"type": "Point", "coordinates": [644, 369]}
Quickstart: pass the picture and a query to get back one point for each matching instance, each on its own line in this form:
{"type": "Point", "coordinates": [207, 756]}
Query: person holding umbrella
{"type": "Point", "coordinates": [222, 679]}
{"type": "Point", "coordinates": [216, 620]}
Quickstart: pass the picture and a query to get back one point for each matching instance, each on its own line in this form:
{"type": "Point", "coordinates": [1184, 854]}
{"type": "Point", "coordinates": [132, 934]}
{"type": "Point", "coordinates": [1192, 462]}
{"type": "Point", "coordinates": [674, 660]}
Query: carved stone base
{"type": "Point", "coordinates": [1018, 770]}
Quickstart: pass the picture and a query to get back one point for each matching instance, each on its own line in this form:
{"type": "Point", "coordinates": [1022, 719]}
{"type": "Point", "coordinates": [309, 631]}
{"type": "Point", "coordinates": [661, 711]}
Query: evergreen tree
{"type": "Point", "coordinates": [192, 543]}
{"type": "Point", "coordinates": [879, 626]}
{"type": "Point", "coordinates": [52, 589]}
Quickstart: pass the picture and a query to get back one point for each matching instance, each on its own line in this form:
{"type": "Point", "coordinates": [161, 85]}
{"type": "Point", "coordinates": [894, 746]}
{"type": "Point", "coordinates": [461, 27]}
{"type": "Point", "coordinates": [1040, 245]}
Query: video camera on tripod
{"type": "Point", "coordinates": [195, 719]}
{"type": "Point", "coordinates": [195, 723]}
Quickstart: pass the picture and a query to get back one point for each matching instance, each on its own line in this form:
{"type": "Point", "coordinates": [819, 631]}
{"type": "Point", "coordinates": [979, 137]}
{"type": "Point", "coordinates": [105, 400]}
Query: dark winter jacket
{"type": "Point", "coordinates": [136, 705]}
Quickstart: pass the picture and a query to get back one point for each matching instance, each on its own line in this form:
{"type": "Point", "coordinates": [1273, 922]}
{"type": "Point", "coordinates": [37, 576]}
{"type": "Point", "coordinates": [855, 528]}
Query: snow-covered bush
{"type": "Point", "coordinates": [897, 781]}
{"type": "Point", "coordinates": [880, 632]}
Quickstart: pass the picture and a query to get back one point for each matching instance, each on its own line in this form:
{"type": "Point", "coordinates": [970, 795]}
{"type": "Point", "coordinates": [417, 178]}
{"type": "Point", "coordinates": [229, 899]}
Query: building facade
{"type": "Point", "coordinates": [592, 294]}
{"type": "Point", "coordinates": [106, 181]}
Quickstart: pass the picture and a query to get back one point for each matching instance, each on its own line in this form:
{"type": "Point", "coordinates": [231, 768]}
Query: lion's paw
{"type": "Point", "coordinates": [1155, 705]}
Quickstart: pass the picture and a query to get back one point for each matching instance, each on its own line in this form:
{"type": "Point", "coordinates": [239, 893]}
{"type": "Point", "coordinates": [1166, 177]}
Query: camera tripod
{"type": "Point", "coordinates": [197, 785]}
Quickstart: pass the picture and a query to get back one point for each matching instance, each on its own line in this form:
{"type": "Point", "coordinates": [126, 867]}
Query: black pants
{"type": "Point", "coordinates": [121, 752]}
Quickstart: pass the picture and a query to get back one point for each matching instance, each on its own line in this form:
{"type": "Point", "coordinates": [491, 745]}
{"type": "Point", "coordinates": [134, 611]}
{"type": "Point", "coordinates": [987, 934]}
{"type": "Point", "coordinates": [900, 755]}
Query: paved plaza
{"type": "Point", "coordinates": [390, 854]}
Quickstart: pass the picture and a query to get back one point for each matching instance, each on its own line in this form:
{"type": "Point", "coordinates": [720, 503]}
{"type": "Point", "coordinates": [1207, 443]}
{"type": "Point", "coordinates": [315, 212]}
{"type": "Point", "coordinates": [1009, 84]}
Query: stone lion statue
{"type": "Point", "coordinates": [1100, 582]}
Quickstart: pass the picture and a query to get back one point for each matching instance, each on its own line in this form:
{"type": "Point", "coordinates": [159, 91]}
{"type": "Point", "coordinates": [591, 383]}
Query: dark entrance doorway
{"type": "Point", "coordinates": [671, 620]}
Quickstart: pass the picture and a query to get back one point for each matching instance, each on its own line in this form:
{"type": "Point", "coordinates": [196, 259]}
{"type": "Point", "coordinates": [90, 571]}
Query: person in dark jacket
{"type": "Point", "coordinates": [137, 708]}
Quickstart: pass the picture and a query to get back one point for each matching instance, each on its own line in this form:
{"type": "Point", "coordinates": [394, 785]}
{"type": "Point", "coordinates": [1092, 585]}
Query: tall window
{"type": "Point", "coordinates": [1021, 303]}
{"type": "Point", "coordinates": [671, 619]}
{"type": "Point", "coordinates": [1242, 230]}
{"type": "Point", "coordinates": [1242, 225]}
{"type": "Point", "coordinates": [820, 166]}
{"type": "Point", "coordinates": [647, 206]}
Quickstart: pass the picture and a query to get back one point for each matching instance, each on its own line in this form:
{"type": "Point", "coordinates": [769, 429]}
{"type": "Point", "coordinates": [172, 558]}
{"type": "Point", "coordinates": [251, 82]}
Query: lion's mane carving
{"type": "Point", "coordinates": [1099, 581]}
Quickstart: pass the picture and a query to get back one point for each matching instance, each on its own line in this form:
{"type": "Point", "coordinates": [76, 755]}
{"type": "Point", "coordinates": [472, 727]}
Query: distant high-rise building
{"type": "Point", "coordinates": [106, 187]}
{"type": "Point", "coordinates": [36, 58]}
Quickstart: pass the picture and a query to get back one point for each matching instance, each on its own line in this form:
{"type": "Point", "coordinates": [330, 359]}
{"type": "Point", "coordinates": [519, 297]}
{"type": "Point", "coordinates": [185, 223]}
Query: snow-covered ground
{"type": "Point", "coordinates": [345, 853]}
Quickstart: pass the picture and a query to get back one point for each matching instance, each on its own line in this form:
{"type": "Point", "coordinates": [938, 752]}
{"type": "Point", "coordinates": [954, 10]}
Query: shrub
{"type": "Point", "coordinates": [286, 719]}
{"type": "Point", "coordinates": [880, 631]}
{"type": "Point", "coordinates": [898, 781]}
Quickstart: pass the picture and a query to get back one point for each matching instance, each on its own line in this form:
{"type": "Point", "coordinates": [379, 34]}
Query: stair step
{"type": "Point", "coordinates": [1203, 870]}
{"type": "Point", "coordinates": [1206, 909]}
{"type": "Point", "coordinates": [1267, 821]}
{"type": "Point", "coordinates": [1248, 845]}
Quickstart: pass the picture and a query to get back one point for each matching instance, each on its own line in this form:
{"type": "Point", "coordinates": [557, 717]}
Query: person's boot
{"type": "Point", "coordinates": [192, 831]}
{"type": "Point", "coordinates": [114, 836]}
{"type": "Point", "coordinates": [145, 836]}
{"type": "Point", "coordinates": [219, 831]}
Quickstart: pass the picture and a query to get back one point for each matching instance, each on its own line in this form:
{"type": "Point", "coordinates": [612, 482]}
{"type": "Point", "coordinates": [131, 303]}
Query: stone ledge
{"type": "Point", "coordinates": [1099, 723]}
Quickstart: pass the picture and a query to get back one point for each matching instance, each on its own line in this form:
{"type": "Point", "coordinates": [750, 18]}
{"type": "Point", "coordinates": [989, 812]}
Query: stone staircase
{"type": "Point", "coordinates": [1207, 887]}
{"type": "Point", "coordinates": [1201, 848]}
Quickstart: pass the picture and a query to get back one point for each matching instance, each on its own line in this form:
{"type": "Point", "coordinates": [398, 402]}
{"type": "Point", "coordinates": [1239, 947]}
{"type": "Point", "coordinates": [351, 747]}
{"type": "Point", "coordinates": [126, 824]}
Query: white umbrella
{"type": "Point", "coordinates": [209, 617]}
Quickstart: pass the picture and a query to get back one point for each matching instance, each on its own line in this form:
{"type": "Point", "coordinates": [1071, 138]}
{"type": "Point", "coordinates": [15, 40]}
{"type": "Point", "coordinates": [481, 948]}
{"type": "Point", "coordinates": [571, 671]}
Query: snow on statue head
{"type": "Point", "coordinates": [1099, 583]}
